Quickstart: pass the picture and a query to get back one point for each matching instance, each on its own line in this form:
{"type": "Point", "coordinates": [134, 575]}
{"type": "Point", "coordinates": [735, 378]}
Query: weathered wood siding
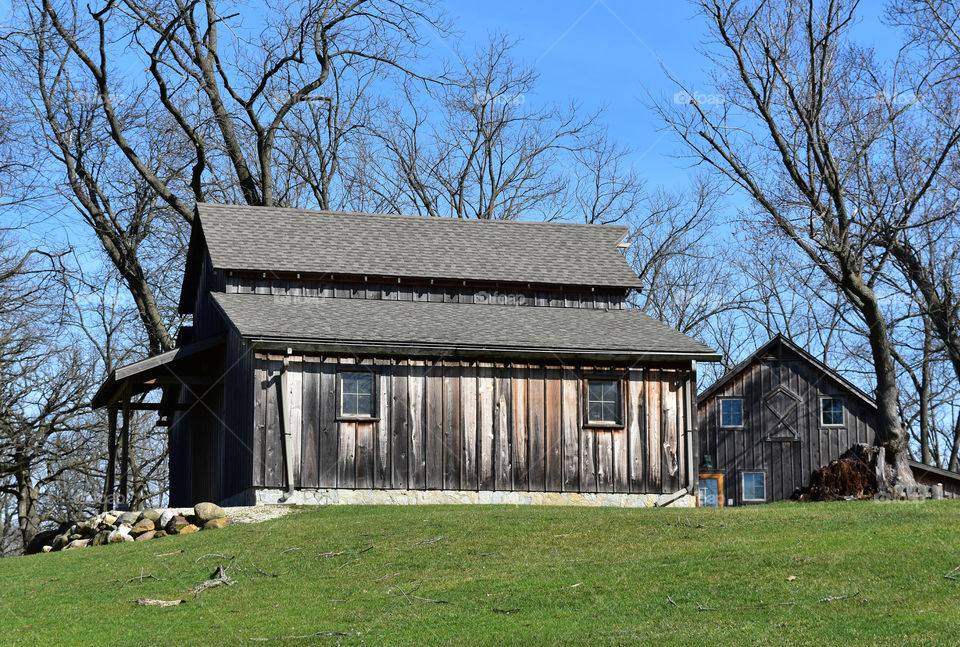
{"type": "Point", "coordinates": [471, 426]}
{"type": "Point", "coordinates": [786, 463]}
{"type": "Point", "coordinates": [424, 291]}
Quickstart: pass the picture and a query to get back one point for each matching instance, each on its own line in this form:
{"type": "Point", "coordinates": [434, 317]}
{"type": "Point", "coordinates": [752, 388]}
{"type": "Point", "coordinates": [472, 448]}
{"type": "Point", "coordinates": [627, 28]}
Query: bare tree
{"type": "Point", "coordinates": [803, 121]}
{"type": "Point", "coordinates": [45, 426]}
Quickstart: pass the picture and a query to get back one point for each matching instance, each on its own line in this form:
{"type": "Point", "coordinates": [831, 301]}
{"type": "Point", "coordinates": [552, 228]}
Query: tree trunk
{"type": "Point", "coordinates": [28, 518]}
{"type": "Point", "coordinates": [898, 475]}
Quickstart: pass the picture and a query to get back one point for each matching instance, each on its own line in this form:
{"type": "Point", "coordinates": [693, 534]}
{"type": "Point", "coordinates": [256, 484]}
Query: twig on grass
{"type": "Point", "coordinates": [149, 602]}
{"type": "Point", "coordinates": [176, 552]}
{"type": "Point", "coordinates": [429, 541]}
{"type": "Point", "coordinates": [345, 552]}
{"type": "Point", "coordinates": [219, 578]}
{"type": "Point", "coordinates": [670, 600]}
{"type": "Point", "coordinates": [289, 549]}
{"type": "Point", "coordinates": [417, 597]}
{"type": "Point", "coordinates": [319, 634]}
{"type": "Point", "coordinates": [700, 607]}
{"type": "Point", "coordinates": [833, 598]}
{"type": "Point", "coordinates": [220, 555]}
{"type": "Point", "coordinates": [952, 575]}
{"type": "Point", "coordinates": [140, 578]}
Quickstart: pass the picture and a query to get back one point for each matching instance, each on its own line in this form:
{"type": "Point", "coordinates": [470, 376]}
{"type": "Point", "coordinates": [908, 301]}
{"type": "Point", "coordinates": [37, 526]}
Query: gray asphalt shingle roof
{"type": "Point", "coordinates": [299, 240]}
{"type": "Point", "coordinates": [477, 327]}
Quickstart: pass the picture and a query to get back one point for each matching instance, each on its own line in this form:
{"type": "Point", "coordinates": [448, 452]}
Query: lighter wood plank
{"type": "Point", "coordinates": [486, 414]}
{"type": "Point", "coordinates": [520, 441]}
{"type": "Point", "coordinates": [576, 452]}
{"type": "Point", "coordinates": [653, 430]}
{"type": "Point", "coordinates": [468, 423]}
{"type": "Point", "coordinates": [415, 423]}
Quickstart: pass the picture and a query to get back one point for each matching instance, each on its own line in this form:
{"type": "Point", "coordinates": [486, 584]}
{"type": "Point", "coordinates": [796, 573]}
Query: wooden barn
{"type": "Point", "coordinates": [777, 416]}
{"type": "Point", "coordinates": [346, 357]}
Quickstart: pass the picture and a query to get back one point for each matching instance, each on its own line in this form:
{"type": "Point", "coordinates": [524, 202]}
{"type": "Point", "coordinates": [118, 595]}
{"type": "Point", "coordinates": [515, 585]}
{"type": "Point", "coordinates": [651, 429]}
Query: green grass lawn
{"type": "Point", "coordinates": [509, 575]}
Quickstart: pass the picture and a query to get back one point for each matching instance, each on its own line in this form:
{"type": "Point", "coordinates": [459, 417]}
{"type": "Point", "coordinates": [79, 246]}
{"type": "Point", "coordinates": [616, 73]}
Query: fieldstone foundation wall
{"type": "Point", "coordinates": [333, 496]}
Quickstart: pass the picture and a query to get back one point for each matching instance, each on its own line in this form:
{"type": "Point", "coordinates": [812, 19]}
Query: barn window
{"type": "Point", "coordinates": [754, 486]}
{"type": "Point", "coordinates": [356, 395]}
{"type": "Point", "coordinates": [831, 412]}
{"type": "Point", "coordinates": [603, 402]}
{"type": "Point", "coordinates": [731, 412]}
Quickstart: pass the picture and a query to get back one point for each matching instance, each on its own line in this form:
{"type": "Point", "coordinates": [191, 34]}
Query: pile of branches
{"type": "Point", "coordinates": [852, 476]}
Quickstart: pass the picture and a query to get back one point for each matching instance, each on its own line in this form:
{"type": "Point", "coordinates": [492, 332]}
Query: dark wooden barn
{"type": "Point", "coordinates": [777, 416]}
{"type": "Point", "coordinates": [340, 357]}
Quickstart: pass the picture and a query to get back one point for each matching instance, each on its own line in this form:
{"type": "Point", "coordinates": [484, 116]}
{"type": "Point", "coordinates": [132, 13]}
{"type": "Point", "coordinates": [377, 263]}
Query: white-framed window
{"type": "Point", "coordinates": [603, 402]}
{"type": "Point", "coordinates": [356, 394]}
{"type": "Point", "coordinates": [731, 412]}
{"type": "Point", "coordinates": [831, 411]}
{"type": "Point", "coordinates": [754, 486]}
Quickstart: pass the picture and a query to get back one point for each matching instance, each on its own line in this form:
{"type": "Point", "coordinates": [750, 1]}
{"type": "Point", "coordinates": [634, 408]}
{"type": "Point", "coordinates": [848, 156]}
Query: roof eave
{"type": "Point", "coordinates": [421, 349]}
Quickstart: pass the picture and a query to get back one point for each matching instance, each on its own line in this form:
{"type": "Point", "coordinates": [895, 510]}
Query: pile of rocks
{"type": "Point", "coordinates": [116, 527]}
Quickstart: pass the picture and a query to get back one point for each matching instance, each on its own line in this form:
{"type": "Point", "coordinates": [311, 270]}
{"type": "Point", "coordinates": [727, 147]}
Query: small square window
{"type": "Point", "coordinates": [603, 402]}
{"type": "Point", "coordinates": [356, 395]}
{"type": "Point", "coordinates": [754, 486]}
{"type": "Point", "coordinates": [731, 412]}
{"type": "Point", "coordinates": [831, 412]}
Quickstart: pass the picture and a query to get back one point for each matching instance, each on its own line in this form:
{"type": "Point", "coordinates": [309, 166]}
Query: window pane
{"type": "Point", "coordinates": [365, 383]}
{"type": "Point", "coordinates": [610, 411]}
{"type": "Point", "coordinates": [602, 398]}
{"type": "Point", "coordinates": [349, 404]}
{"type": "Point", "coordinates": [832, 411]}
{"type": "Point", "coordinates": [754, 486]}
{"type": "Point", "coordinates": [348, 382]}
{"type": "Point", "coordinates": [731, 413]}
{"type": "Point", "coordinates": [609, 391]}
{"type": "Point", "coordinates": [364, 405]}
{"type": "Point", "coordinates": [596, 392]}
{"type": "Point", "coordinates": [356, 394]}
{"type": "Point", "coordinates": [596, 411]}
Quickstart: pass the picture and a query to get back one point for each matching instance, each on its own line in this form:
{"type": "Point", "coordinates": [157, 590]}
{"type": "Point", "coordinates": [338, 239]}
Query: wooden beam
{"type": "Point", "coordinates": [157, 406]}
{"type": "Point", "coordinates": [125, 448]}
{"type": "Point", "coordinates": [108, 489]}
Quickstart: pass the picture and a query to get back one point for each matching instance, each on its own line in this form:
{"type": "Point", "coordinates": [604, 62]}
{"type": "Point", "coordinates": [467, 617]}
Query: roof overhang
{"type": "Point", "coordinates": [478, 352]}
{"type": "Point", "coordinates": [190, 364]}
{"type": "Point", "coordinates": [939, 472]}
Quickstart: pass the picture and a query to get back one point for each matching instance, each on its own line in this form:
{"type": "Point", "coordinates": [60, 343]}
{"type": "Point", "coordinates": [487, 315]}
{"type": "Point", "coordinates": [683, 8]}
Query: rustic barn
{"type": "Point", "coordinates": [338, 357]}
{"type": "Point", "coordinates": [777, 416]}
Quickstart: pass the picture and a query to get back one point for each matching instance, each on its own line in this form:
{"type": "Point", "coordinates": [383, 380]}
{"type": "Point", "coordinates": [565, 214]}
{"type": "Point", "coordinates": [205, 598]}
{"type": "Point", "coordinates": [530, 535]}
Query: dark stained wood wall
{"type": "Point", "coordinates": [424, 291]}
{"type": "Point", "coordinates": [470, 426]}
{"type": "Point", "coordinates": [787, 463]}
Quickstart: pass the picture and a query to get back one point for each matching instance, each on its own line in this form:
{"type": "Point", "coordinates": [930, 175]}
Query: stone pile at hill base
{"type": "Point", "coordinates": [116, 526]}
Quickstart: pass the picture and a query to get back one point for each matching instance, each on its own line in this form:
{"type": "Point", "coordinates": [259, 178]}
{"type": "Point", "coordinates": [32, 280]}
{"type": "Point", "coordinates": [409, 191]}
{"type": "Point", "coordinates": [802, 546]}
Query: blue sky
{"type": "Point", "coordinates": [608, 53]}
{"type": "Point", "coordinates": [602, 53]}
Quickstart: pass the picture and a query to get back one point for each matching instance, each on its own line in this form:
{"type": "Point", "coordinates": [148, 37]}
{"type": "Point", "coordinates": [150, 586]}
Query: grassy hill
{"type": "Point", "coordinates": [493, 575]}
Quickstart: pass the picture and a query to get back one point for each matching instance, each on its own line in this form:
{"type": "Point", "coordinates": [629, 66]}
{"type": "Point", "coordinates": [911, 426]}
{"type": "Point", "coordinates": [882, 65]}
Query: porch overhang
{"type": "Point", "coordinates": [189, 365]}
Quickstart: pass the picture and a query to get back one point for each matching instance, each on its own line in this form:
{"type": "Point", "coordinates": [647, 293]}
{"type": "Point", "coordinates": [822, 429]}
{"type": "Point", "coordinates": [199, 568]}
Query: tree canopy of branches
{"type": "Point", "coordinates": [832, 149]}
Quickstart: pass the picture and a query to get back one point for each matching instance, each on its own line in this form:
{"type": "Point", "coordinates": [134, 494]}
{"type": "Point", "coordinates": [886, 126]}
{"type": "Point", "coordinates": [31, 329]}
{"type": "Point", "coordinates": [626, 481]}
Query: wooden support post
{"type": "Point", "coordinates": [109, 483]}
{"type": "Point", "coordinates": [125, 450]}
{"type": "Point", "coordinates": [285, 417]}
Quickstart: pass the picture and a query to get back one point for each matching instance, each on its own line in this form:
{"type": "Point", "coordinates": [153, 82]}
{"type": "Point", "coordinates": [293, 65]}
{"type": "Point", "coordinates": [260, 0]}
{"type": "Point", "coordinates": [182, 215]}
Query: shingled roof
{"type": "Point", "coordinates": [467, 328]}
{"type": "Point", "coordinates": [298, 240]}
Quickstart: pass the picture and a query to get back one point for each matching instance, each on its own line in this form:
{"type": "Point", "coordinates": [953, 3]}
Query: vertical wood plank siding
{"type": "Point", "coordinates": [471, 425]}
{"type": "Point", "coordinates": [787, 463]}
{"type": "Point", "coordinates": [568, 298]}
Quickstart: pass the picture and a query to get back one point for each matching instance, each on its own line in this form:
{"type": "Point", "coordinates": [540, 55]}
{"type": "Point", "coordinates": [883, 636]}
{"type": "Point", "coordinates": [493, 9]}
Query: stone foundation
{"type": "Point", "coordinates": [333, 496]}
